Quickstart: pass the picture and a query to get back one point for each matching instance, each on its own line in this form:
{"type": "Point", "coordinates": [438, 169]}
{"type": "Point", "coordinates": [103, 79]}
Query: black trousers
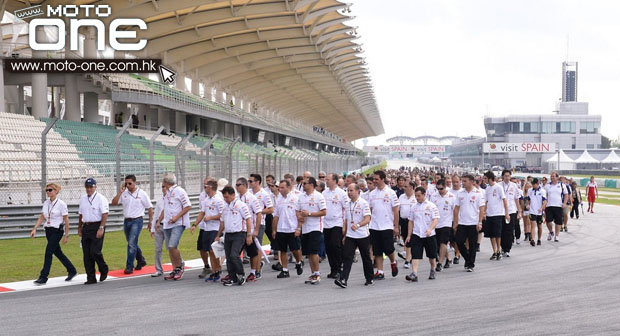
{"type": "Point", "coordinates": [463, 233]}
{"type": "Point", "coordinates": [508, 230]}
{"type": "Point", "coordinates": [517, 226]}
{"type": "Point", "coordinates": [333, 248]}
{"type": "Point", "coordinates": [233, 244]}
{"type": "Point", "coordinates": [268, 230]}
{"type": "Point", "coordinates": [54, 236]}
{"type": "Point", "coordinates": [91, 248]}
{"type": "Point", "coordinates": [575, 209]}
{"type": "Point", "coordinates": [363, 244]}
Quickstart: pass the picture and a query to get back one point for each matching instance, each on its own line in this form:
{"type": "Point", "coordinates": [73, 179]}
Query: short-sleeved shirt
{"type": "Point", "coordinates": [431, 190]}
{"type": "Point", "coordinates": [234, 216]}
{"type": "Point", "coordinates": [265, 201]}
{"type": "Point", "coordinates": [203, 195]}
{"type": "Point", "coordinates": [355, 214]}
{"type": "Point", "coordinates": [445, 204]}
{"type": "Point", "coordinates": [135, 203]}
{"type": "Point", "coordinates": [176, 201]}
{"type": "Point", "coordinates": [555, 194]}
{"type": "Point", "coordinates": [93, 207]}
{"type": "Point", "coordinates": [211, 206]}
{"type": "Point", "coordinates": [536, 197]}
{"type": "Point", "coordinates": [54, 213]}
{"type": "Point", "coordinates": [469, 204]}
{"type": "Point", "coordinates": [405, 204]}
{"type": "Point", "coordinates": [422, 216]}
{"type": "Point", "coordinates": [286, 211]}
{"type": "Point", "coordinates": [495, 200]}
{"type": "Point", "coordinates": [336, 202]}
{"type": "Point", "coordinates": [591, 187]}
{"type": "Point", "coordinates": [254, 206]}
{"type": "Point", "coordinates": [381, 204]}
{"type": "Point", "coordinates": [159, 208]}
{"type": "Point", "coordinates": [312, 203]}
{"type": "Point", "coordinates": [511, 190]}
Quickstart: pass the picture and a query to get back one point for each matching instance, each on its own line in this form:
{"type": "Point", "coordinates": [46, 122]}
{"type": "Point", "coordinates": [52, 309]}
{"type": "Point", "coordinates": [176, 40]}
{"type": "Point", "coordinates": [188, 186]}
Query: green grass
{"type": "Point", "coordinates": [614, 177]}
{"type": "Point", "coordinates": [369, 171]}
{"type": "Point", "coordinates": [22, 259]}
{"type": "Point", "coordinates": [609, 201]}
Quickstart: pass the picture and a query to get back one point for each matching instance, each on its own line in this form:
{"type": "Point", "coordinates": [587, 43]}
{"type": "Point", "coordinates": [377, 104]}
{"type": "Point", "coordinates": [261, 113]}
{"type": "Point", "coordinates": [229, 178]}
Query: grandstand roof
{"type": "Point", "coordinates": [296, 57]}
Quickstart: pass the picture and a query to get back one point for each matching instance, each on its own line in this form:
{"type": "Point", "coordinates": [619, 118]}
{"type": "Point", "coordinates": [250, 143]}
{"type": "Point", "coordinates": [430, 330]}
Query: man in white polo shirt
{"type": "Point", "coordinates": [211, 209]}
{"type": "Point", "coordinates": [405, 202]}
{"type": "Point", "coordinates": [356, 237]}
{"type": "Point", "coordinates": [93, 212]}
{"type": "Point", "coordinates": [310, 210]}
{"type": "Point", "coordinates": [255, 208]}
{"type": "Point", "coordinates": [557, 198]}
{"type": "Point", "coordinates": [175, 219]}
{"type": "Point", "coordinates": [384, 223]}
{"type": "Point", "coordinates": [266, 204]}
{"type": "Point", "coordinates": [514, 209]}
{"type": "Point", "coordinates": [496, 213]}
{"type": "Point", "coordinates": [537, 197]}
{"type": "Point", "coordinates": [468, 215]}
{"type": "Point", "coordinates": [336, 200]}
{"type": "Point", "coordinates": [286, 228]}
{"type": "Point", "coordinates": [445, 202]}
{"type": "Point", "coordinates": [237, 224]}
{"type": "Point", "coordinates": [423, 218]}
{"type": "Point", "coordinates": [135, 201]}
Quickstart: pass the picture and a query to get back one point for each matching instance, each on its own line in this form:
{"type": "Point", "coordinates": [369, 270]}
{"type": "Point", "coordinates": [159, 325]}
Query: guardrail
{"type": "Point", "coordinates": [18, 221]}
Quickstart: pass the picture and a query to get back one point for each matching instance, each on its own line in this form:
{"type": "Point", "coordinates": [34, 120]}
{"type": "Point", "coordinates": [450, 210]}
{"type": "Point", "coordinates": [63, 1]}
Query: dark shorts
{"type": "Point", "coordinates": [418, 245]}
{"type": "Point", "coordinates": [205, 239]}
{"type": "Point", "coordinates": [443, 235]}
{"type": "Point", "coordinates": [492, 227]}
{"type": "Point", "coordinates": [536, 218]}
{"type": "Point", "coordinates": [310, 243]}
{"type": "Point", "coordinates": [251, 249]}
{"type": "Point", "coordinates": [286, 239]}
{"type": "Point", "coordinates": [554, 214]}
{"type": "Point", "coordinates": [404, 227]}
{"type": "Point", "coordinates": [382, 242]}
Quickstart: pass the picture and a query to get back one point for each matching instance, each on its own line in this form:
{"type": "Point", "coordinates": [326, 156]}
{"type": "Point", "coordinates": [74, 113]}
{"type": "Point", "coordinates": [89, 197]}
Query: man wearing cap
{"type": "Point", "coordinates": [93, 213]}
{"type": "Point", "coordinates": [135, 201]}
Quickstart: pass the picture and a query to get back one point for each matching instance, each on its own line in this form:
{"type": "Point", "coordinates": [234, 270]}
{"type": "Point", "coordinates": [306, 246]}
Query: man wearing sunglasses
{"type": "Point", "coordinates": [91, 227]}
{"type": "Point", "coordinates": [134, 201]}
{"type": "Point", "coordinates": [445, 202]}
{"type": "Point", "coordinates": [384, 223]}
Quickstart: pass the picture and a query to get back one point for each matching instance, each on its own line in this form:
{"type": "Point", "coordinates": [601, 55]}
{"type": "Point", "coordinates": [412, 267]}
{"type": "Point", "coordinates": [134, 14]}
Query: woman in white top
{"type": "Point", "coordinates": [53, 216]}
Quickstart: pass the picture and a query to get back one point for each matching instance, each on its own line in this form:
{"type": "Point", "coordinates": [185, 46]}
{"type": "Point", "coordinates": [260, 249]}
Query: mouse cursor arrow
{"type": "Point", "coordinates": [166, 74]}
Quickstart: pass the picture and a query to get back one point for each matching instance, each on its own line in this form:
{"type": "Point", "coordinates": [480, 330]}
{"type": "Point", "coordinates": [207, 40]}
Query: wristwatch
{"type": "Point", "coordinates": [101, 228]}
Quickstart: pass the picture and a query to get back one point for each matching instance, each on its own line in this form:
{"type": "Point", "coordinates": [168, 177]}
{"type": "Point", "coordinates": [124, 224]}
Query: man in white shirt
{"type": "Point", "coordinates": [557, 198]}
{"type": "Point", "coordinates": [454, 190]}
{"type": "Point", "coordinates": [255, 208]}
{"type": "Point", "coordinates": [208, 220]}
{"type": "Point", "coordinates": [537, 197]}
{"type": "Point", "coordinates": [236, 222]}
{"type": "Point", "coordinates": [175, 219]}
{"type": "Point", "coordinates": [158, 234]}
{"type": "Point", "coordinates": [310, 210]}
{"type": "Point", "coordinates": [384, 223]}
{"type": "Point", "coordinates": [93, 212]}
{"type": "Point", "coordinates": [468, 215]}
{"type": "Point", "coordinates": [134, 201]}
{"type": "Point", "coordinates": [356, 236]}
{"type": "Point", "coordinates": [271, 188]}
{"type": "Point", "coordinates": [445, 202]}
{"type": "Point", "coordinates": [336, 201]}
{"type": "Point", "coordinates": [286, 228]}
{"type": "Point", "coordinates": [423, 218]}
{"type": "Point", "coordinates": [511, 190]}
{"type": "Point", "coordinates": [264, 197]}
{"type": "Point", "coordinates": [496, 213]}
{"type": "Point", "coordinates": [405, 202]}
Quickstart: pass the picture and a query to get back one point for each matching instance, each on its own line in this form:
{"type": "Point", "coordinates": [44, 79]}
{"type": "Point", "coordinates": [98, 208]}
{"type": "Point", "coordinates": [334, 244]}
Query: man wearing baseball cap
{"type": "Point", "coordinates": [93, 213]}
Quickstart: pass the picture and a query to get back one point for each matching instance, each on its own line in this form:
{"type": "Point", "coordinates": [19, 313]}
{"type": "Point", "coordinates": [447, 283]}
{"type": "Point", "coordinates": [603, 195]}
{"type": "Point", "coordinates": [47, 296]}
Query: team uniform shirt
{"type": "Point", "coordinates": [135, 203]}
{"type": "Point", "coordinates": [254, 206]}
{"type": "Point", "coordinates": [454, 191]}
{"type": "Point", "coordinates": [431, 191]}
{"type": "Point", "coordinates": [365, 195]}
{"type": "Point", "coordinates": [234, 216]}
{"type": "Point", "coordinates": [159, 207]}
{"type": "Point", "coordinates": [555, 194]}
{"type": "Point", "coordinates": [422, 215]}
{"type": "Point", "coordinates": [203, 195]}
{"type": "Point", "coordinates": [264, 199]}
{"type": "Point", "coordinates": [211, 206]}
{"type": "Point", "coordinates": [591, 188]}
{"type": "Point", "coordinates": [92, 208]}
{"type": "Point", "coordinates": [445, 204]}
{"type": "Point", "coordinates": [336, 202]}
{"type": "Point", "coordinates": [495, 200]}
{"type": "Point", "coordinates": [54, 213]}
{"type": "Point", "coordinates": [176, 201]}
{"type": "Point", "coordinates": [381, 204]}
{"type": "Point", "coordinates": [312, 203]}
{"type": "Point", "coordinates": [511, 190]}
{"type": "Point", "coordinates": [356, 212]}
{"type": "Point", "coordinates": [536, 197]}
{"type": "Point", "coordinates": [469, 204]}
{"type": "Point", "coordinates": [405, 204]}
{"type": "Point", "coordinates": [286, 211]}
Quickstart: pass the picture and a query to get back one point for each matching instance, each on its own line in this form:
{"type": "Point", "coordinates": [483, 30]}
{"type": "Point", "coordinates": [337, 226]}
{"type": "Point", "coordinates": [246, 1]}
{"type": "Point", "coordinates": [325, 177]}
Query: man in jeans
{"type": "Point", "coordinates": [134, 201]}
{"type": "Point", "coordinates": [237, 224]}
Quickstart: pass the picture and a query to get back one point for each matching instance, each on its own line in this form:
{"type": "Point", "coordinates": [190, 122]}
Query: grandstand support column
{"type": "Point", "coordinates": [91, 107]}
{"type": "Point", "coordinates": [46, 130]}
{"type": "Point", "coordinates": [20, 99]}
{"type": "Point", "coordinates": [195, 87]}
{"type": "Point", "coordinates": [246, 134]}
{"type": "Point", "coordinates": [163, 118]}
{"type": "Point", "coordinates": [237, 131]}
{"type": "Point", "coordinates": [90, 43]}
{"type": "Point", "coordinates": [72, 98]}
{"type": "Point", "coordinates": [144, 116]}
{"type": "Point", "coordinates": [39, 81]}
{"type": "Point", "coordinates": [229, 130]}
{"type": "Point", "coordinates": [180, 125]}
{"type": "Point", "coordinates": [2, 103]}
{"type": "Point", "coordinates": [221, 129]}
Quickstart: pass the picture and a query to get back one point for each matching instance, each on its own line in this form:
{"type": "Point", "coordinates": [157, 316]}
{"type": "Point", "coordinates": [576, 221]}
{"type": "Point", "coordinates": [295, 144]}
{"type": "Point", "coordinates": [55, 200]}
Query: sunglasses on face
{"type": "Point", "coordinates": [238, 184]}
{"type": "Point", "coordinates": [321, 176]}
{"type": "Point", "coordinates": [250, 181]}
{"type": "Point", "coordinates": [49, 190]}
{"type": "Point", "coordinates": [440, 189]}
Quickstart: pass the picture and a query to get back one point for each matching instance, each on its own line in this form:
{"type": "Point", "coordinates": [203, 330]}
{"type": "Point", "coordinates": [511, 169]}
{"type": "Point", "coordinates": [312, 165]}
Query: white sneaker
{"type": "Point", "coordinates": [157, 274]}
{"type": "Point", "coordinates": [518, 241]}
{"type": "Point", "coordinates": [549, 236]}
{"type": "Point", "coordinates": [556, 239]}
{"type": "Point", "coordinates": [406, 265]}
